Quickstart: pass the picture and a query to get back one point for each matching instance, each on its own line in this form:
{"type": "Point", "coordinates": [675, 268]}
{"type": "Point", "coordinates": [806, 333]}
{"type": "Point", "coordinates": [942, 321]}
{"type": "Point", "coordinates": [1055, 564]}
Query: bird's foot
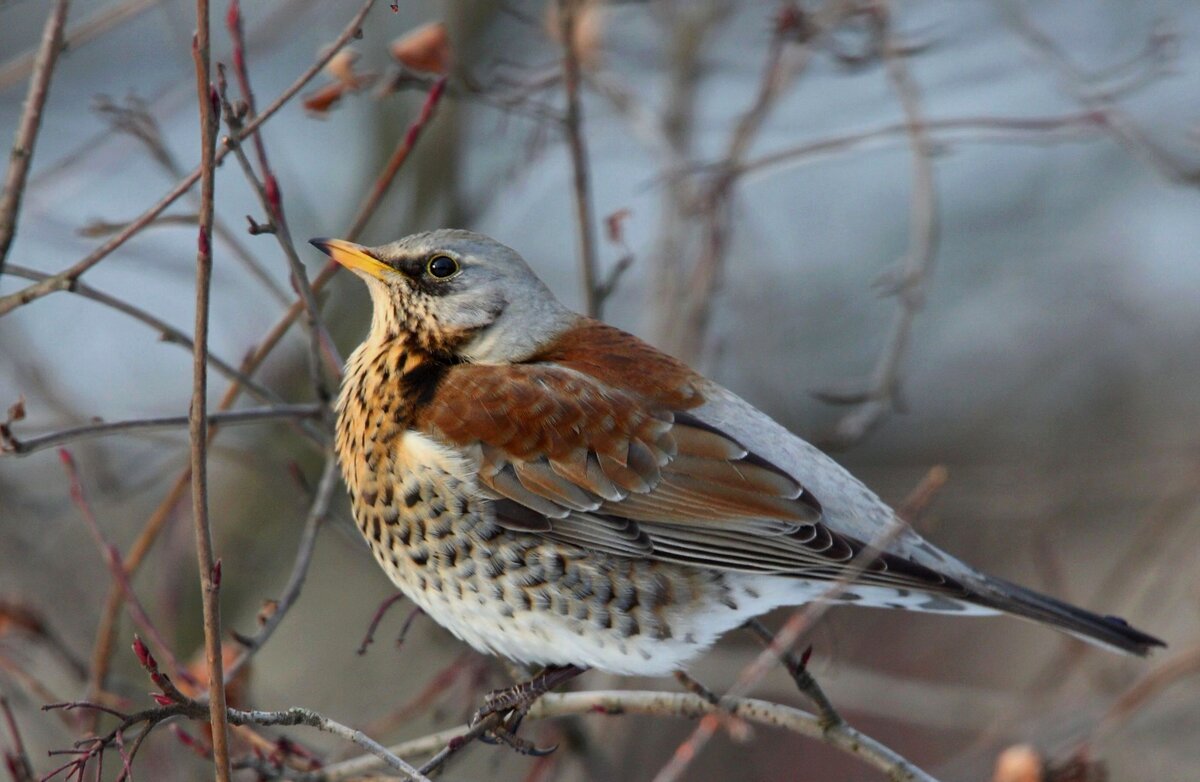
{"type": "Point", "coordinates": [511, 704]}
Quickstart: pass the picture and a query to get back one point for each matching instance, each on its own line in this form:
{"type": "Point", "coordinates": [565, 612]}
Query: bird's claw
{"type": "Point", "coordinates": [510, 715]}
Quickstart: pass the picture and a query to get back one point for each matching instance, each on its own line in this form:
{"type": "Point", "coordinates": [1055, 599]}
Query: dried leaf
{"type": "Point", "coordinates": [16, 617]}
{"type": "Point", "coordinates": [425, 49]}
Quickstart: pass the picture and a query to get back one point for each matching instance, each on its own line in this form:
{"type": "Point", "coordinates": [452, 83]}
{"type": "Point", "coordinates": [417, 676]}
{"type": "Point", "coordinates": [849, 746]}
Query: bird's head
{"type": "Point", "coordinates": [456, 293]}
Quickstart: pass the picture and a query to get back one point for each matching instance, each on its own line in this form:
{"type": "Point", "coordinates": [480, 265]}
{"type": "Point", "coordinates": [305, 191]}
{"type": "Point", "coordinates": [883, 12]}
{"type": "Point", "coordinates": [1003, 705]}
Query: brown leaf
{"type": "Point", "coordinates": [425, 49]}
{"type": "Point", "coordinates": [16, 410]}
{"type": "Point", "coordinates": [16, 617]}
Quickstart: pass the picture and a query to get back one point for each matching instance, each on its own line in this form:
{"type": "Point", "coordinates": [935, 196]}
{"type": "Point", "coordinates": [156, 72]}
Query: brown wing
{"type": "Point", "coordinates": [575, 459]}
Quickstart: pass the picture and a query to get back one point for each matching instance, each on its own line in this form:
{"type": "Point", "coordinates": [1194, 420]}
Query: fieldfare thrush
{"type": "Point", "coordinates": [556, 491]}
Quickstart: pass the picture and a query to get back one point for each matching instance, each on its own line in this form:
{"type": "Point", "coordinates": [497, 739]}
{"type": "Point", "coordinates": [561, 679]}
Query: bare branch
{"type": "Point", "coordinates": [909, 281]}
{"type": "Point", "coordinates": [400, 154]}
{"type": "Point", "coordinates": [64, 279]}
{"type": "Point", "coordinates": [584, 214]}
{"type": "Point", "coordinates": [11, 445]}
{"type": "Point", "coordinates": [661, 704]}
{"type": "Point", "coordinates": [27, 130]}
{"type": "Point", "coordinates": [210, 573]}
{"type": "Point", "coordinates": [18, 760]}
{"type": "Point", "coordinates": [1077, 84]}
{"type": "Point", "coordinates": [317, 514]}
{"type": "Point", "coordinates": [112, 559]}
{"type": "Point", "coordinates": [166, 331]}
{"type": "Point", "coordinates": [272, 201]}
{"type": "Point", "coordinates": [105, 634]}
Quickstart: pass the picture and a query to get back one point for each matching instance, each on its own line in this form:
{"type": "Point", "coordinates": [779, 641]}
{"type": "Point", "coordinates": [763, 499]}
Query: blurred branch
{"type": "Point", "coordinates": [660, 704]}
{"type": "Point", "coordinates": [17, 760]}
{"type": "Point", "coordinates": [794, 37]}
{"type": "Point", "coordinates": [909, 280]}
{"type": "Point", "coordinates": [64, 279]}
{"type": "Point", "coordinates": [209, 566]}
{"type": "Point", "coordinates": [21, 66]}
{"type": "Point", "coordinates": [317, 514]}
{"type": "Point", "coordinates": [1148, 687]}
{"type": "Point", "coordinates": [573, 126]}
{"type": "Point", "coordinates": [371, 203]}
{"type": "Point", "coordinates": [12, 445]}
{"type": "Point", "coordinates": [112, 559]}
{"type": "Point", "coordinates": [1079, 85]}
{"type": "Point", "coordinates": [21, 155]}
{"type": "Point", "coordinates": [1016, 130]}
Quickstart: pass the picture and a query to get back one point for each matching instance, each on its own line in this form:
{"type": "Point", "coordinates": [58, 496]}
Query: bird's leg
{"type": "Point", "coordinates": [737, 727]}
{"type": "Point", "coordinates": [514, 703]}
{"type": "Point", "coordinates": [797, 666]}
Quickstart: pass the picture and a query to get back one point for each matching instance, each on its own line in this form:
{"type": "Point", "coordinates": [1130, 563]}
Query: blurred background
{"type": "Point", "coordinates": [922, 233]}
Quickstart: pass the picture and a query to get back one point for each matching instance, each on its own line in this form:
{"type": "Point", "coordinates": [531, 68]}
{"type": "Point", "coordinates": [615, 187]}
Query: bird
{"type": "Point", "coordinates": [557, 492]}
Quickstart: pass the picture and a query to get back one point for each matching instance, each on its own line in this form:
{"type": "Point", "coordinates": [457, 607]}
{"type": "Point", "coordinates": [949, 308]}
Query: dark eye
{"type": "Point", "coordinates": [442, 266]}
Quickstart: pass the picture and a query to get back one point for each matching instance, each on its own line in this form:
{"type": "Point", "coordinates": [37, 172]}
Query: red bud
{"type": "Point", "coordinates": [162, 699]}
{"type": "Point", "coordinates": [216, 575]}
{"type": "Point", "coordinates": [143, 654]}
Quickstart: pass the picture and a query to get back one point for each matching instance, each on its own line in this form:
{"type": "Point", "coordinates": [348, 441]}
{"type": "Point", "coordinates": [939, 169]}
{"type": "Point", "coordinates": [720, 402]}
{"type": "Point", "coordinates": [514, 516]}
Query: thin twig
{"type": "Point", "coordinates": [1075, 83]}
{"type": "Point", "coordinates": [112, 559]}
{"type": "Point", "coordinates": [112, 15]}
{"type": "Point", "coordinates": [31, 121]}
{"type": "Point", "coordinates": [1145, 689]}
{"type": "Point", "coordinates": [269, 196]}
{"type": "Point", "coordinates": [65, 279]}
{"type": "Point", "coordinates": [175, 704]}
{"type": "Point", "coordinates": [585, 219]}
{"type": "Point", "coordinates": [661, 704]}
{"type": "Point", "coordinates": [714, 202]}
{"type": "Point", "coordinates": [210, 573]}
{"type": "Point", "coordinates": [167, 332]}
{"type": "Point", "coordinates": [400, 154]}
{"type": "Point", "coordinates": [18, 762]}
{"type": "Point", "coordinates": [135, 120]}
{"type": "Point", "coordinates": [11, 445]}
{"type": "Point", "coordinates": [317, 514]}
{"type": "Point", "coordinates": [1080, 126]}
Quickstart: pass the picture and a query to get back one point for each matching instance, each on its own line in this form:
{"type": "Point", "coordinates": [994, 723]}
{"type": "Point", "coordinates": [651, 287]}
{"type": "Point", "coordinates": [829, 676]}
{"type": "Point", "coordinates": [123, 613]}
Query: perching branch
{"type": "Point", "coordinates": [661, 704]}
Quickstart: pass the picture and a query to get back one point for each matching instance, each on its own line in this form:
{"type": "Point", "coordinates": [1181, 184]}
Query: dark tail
{"type": "Point", "coordinates": [1108, 631]}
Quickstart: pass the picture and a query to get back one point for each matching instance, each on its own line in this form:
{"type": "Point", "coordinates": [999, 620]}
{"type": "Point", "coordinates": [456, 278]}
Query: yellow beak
{"type": "Point", "coordinates": [353, 256]}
